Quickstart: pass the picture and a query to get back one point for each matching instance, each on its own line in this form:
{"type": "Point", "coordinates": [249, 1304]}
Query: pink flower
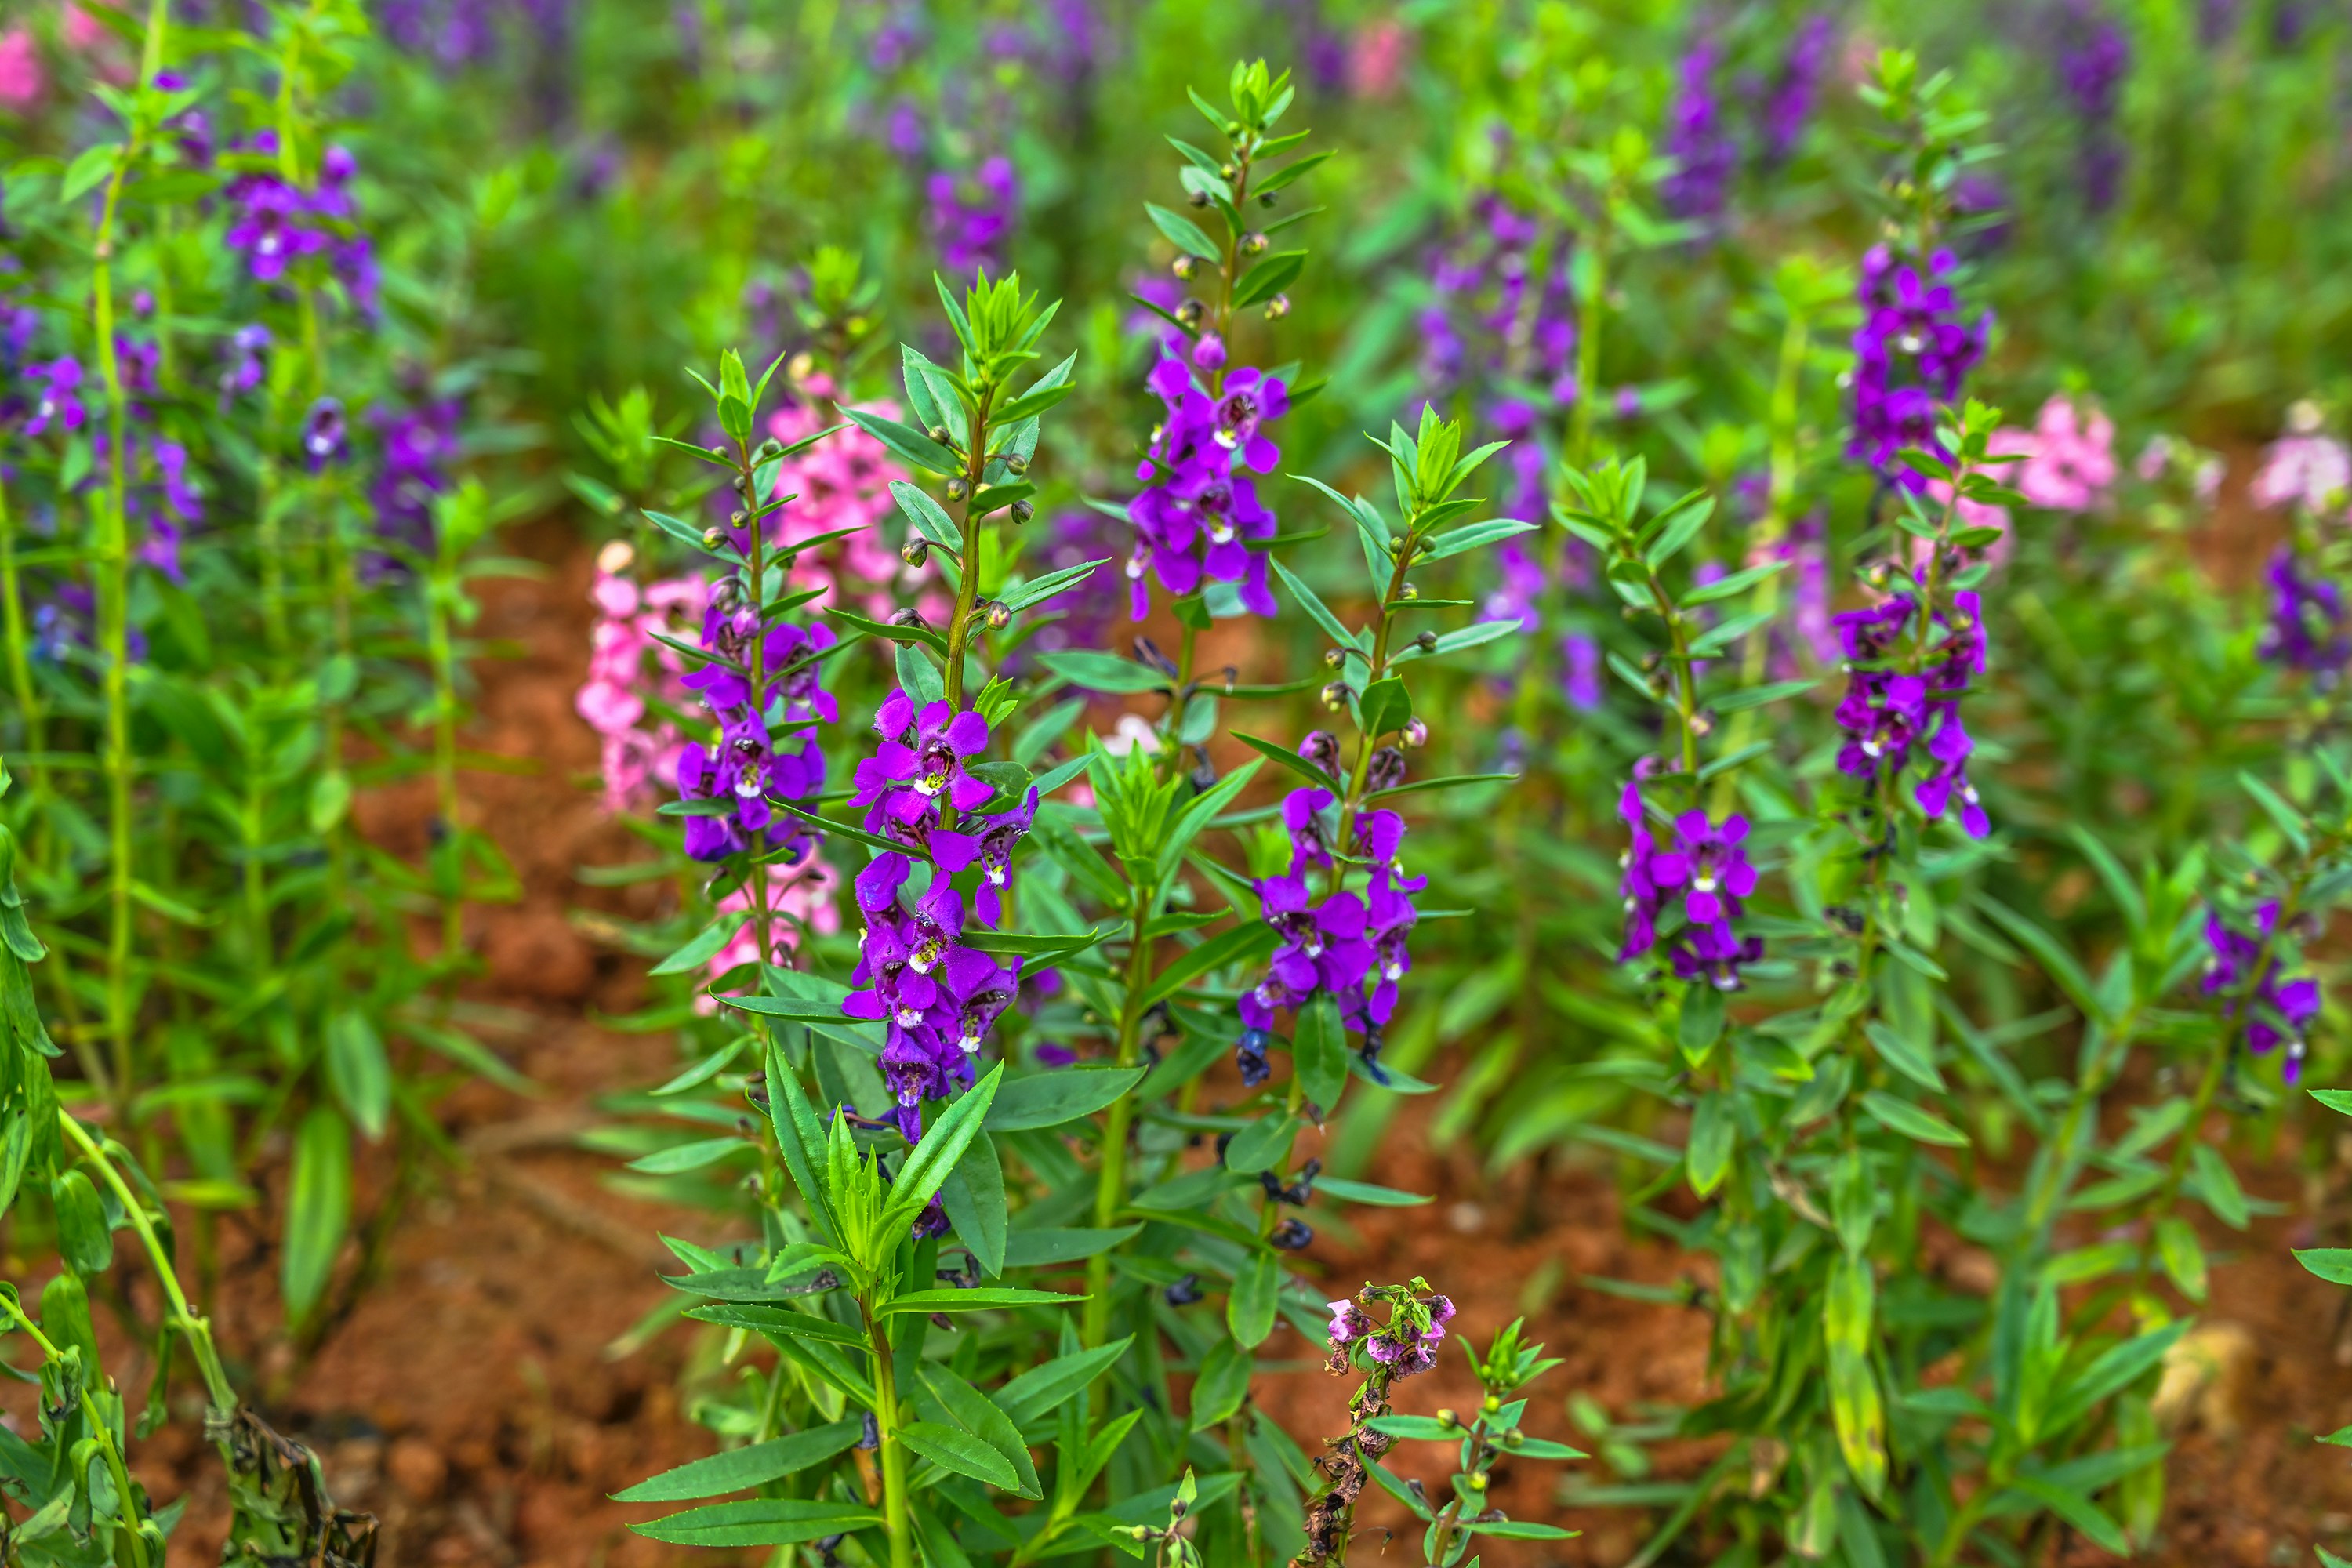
{"type": "Point", "coordinates": [22, 81]}
{"type": "Point", "coordinates": [2304, 468]}
{"type": "Point", "coordinates": [2070, 458]}
{"type": "Point", "coordinates": [1376, 57]}
{"type": "Point", "coordinates": [613, 697]}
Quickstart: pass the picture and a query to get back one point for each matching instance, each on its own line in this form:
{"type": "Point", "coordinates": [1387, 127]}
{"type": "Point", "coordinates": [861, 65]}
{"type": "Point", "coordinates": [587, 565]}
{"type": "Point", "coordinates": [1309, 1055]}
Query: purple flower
{"type": "Point", "coordinates": [750, 765]}
{"type": "Point", "coordinates": [1787, 99]}
{"type": "Point", "coordinates": [1707, 866]}
{"type": "Point", "coordinates": [1198, 516]}
{"type": "Point", "coordinates": [2283, 1010]}
{"type": "Point", "coordinates": [937, 995]}
{"type": "Point", "coordinates": [2306, 628]}
{"type": "Point", "coordinates": [246, 365]}
{"type": "Point", "coordinates": [418, 444]}
{"type": "Point", "coordinates": [56, 397]}
{"type": "Point", "coordinates": [326, 436]}
{"type": "Point", "coordinates": [1912, 353]}
{"type": "Point", "coordinates": [1892, 717]}
{"type": "Point", "coordinates": [970, 219]}
{"type": "Point", "coordinates": [1704, 152]}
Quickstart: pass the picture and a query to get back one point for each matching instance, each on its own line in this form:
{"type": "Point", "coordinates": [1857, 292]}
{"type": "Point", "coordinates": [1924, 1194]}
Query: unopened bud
{"type": "Point", "coordinates": [999, 614]}
{"type": "Point", "coordinates": [615, 558]}
{"type": "Point", "coordinates": [1227, 171]}
{"type": "Point", "coordinates": [1200, 198]}
{"type": "Point", "coordinates": [1015, 464]}
{"type": "Point", "coordinates": [1426, 642]}
{"type": "Point", "coordinates": [1266, 198]}
{"type": "Point", "coordinates": [1277, 307]}
{"type": "Point", "coordinates": [1448, 1418]}
{"type": "Point", "coordinates": [738, 520]}
{"type": "Point", "coordinates": [1253, 243]}
{"type": "Point", "coordinates": [1491, 1404]}
{"type": "Point", "coordinates": [1335, 656]}
{"type": "Point", "coordinates": [915, 551]}
{"type": "Point", "coordinates": [741, 485]}
{"type": "Point", "coordinates": [1479, 1481]}
{"type": "Point", "coordinates": [958, 488]}
{"type": "Point", "coordinates": [1335, 696]}
{"type": "Point", "coordinates": [1186, 265]}
{"type": "Point", "coordinates": [1408, 593]}
{"type": "Point", "coordinates": [1416, 733]}
{"type": "Point", "coordinates": [719, 451]}
{"type": "Point", "coordinates": [1190, 313]}
{"type": "Point", "coordinates": [1138, 1533]}
{"type": "Point", "coordinates": [714, 538]}
{"type": "Point", "coordinates": [770, 449]}
{"type": "Point", "coordinates": [937, 433]}
{"type": "Point", "coordinates": [1024, 510]}
{"type": "Point", "coordinates": [907, 617]}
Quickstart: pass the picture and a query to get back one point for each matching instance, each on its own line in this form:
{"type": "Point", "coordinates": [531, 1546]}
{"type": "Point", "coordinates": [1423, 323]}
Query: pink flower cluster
{"type": "Point", "coordinates": [2069, 463]}
{"type": "Point", "coordinates": [2304, 467]}
{"type": "Point", "coordinates": [844, 481]}
{"type": "Point", "coordinates": [613, 699]}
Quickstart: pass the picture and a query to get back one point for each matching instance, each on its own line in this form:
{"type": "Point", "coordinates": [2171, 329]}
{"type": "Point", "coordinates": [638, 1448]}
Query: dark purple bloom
{"type": "Point", "coordinates": [1198, 516]}
{"type": "Point", "coordinates": [56, 397]}
{"type": "Point", "coordinates": [246, 365]}
{"type": "Point", "coordinates": [326, 434]}
{"type": "Point", "coordinates": [1703, 150]}
{"type": "Point", "coordinates": [2306, 628]}
{"type": "Point", "coordinates": [1911, 354]}
{"type": "Point", "coordinates": [1704, 868]}
{"type": "Point", "coordinates": [1893, 716]}
{"type": "Point", "coordinates": [1789, 98]}
{"type": "Point", "coordinates": [418, 444]}
{"type": "Point", "coordinates": [2282, 1010]}
{"type": "Point", "coordinates": [972, 218]}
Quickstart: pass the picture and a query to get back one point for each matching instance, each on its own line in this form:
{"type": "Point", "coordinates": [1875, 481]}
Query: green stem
{"type": "Point", "coordinates": [101, 1429]}
{"type": "Point", "coordinates": [896, 1523]}
{"type": "Point", "coordinates": [967, 573]}
{"type": "Point", "coordinates": [1111, 1177]}
{"type": "Point", "coordinates": [20, 661]}
{"type": "Point", "coordinates": [1795, 343]}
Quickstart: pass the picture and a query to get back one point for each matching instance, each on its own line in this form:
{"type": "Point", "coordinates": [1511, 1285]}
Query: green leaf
{"type": "Point", "coordinates": [694, 1156]}
{"type": "Point", "coordinates": [761, 1522]}
{"type": "Point", "coordinates": [1257, 1288]}
{"type": "Point", "coordinates": [1243, 944]}
{"type": "Point", "coordinates": [2077, 1511]}
{"type": "Point", "coordinates": [1183, 233]}
{"type": "Point", "coordinates": [974, 1197]}
{"type": "Point", "coordinates": [787, 1322]}
{"type": "Point", "coordinates": [2284, 817]}
{"type": "Point", "coordinates": [937, 1153]}
{"type": "Point", "coordinates": [1221, 1384]}
{"type": "Point", "coordinates": [1318, 1052]}
{"type": "Point", "coordinates": [2332, 1264]}
{"type": "Point", "coordinates": [1470, 538]}
{"type": "Point", "coordinates": [1386, 707]}
{"type": "Point", "coordinates": [1270, 277]}
{"type": "Point", "coordinates": [1292, 760]}
{"type": "Point", "coordinates": [2184, 1255]}
{"type": "Point", "coordinates": [929, 519]}
{"type": "Point", "coordinates": [1042, 1246]}
{"type": "Point", "coordinates": [1042, 1388]}
{"type": "Point", "coordinates": [1398, 1490]}
{"type": "Point", "coordinates": [907, 442]}
{"type": "Point", "coordinates": [978, 1415]}
{"type": "Point", "coordinates": [1040, 589]}
{"type": "Point", "coordinates": [1259, 1146]}
{"type": "Point", "coordinates": [1758, 696]}
{"type": "Point", "coordinates": [318, 1210]}
{"type": "Point", "coordinates": [1418, 1428]}
{"type": "Point", "coordinates": [2336, 1099]}
{"type": "Point", "coordinates": [705, 946]}
{"type": "Point", "coordinates": [89, 169]}
{"type": "Point", "coordinates": [1902, 1116]}
{"type": "Point", "coordinates": [2217, 1184]}
{"type": "Point", "coordinates": [1059, 1095]}
{"type": "Point", "coordinates": [2055, 961]}
{"type": "Point", "coordinates": [1366, 1193]}
{"type": "Point", "coordinates": [984, 1298]}
{"type": "Point", "coordinates": [358, 1071]}
{"type": "Point", "coordinates": [1315, 609]}
{"type": "Point", "coordinates": [1518, 1530]}
{"type": "Point", "coordinates": [1712, 1130]}
{"type": "Point", "coordinates": [83, 1237]}
{"type": "Point", "coordinates": [749, 1467]}
{"type": "Point", "coordinates": [1103, 671]}
{"type": "Point", "coordinates": [1910, 1057]}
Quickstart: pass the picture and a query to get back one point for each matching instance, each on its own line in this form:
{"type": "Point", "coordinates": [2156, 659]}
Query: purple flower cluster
{"type": "Point", "coordinates": [937, 995]}
{"type": "Point", "coordinates": [418, 443]}
{"type": "Point", "coordinates": [1704, 866]}
{"type": "Point", "coordinates": [275, 225]}
{"type": "Point", "coordinates": [1787, 100]}
{"type": "Point", "coordinates": [972, 218]}
{"type": "Point", "coordinates": [752, 765]}
{"type": "Point", "coordinates": [2284, 1011]}
{"type": "Point", "coordinates": [1487, 282]}
{"type": "Point", "coordinates": [2091, 55]}
{"type": "Point", "coordinates": [1703, 152]}
{"type": "Point", "coordinates": [1892, 717]}
{"type": "Point", "coordinates": [1345, 944]}
{"type": "Point", "coordinates": [1912, 353]}
{"type": "Point", "coordinates": [2306, 630]}
{"type": "Point", "coordinates": [1198, 513]}
{"type": "Point", "coordinates": [1406, 1345]}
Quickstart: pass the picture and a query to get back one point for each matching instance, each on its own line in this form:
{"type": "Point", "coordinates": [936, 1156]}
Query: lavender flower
{"type": "Point", "coordinates": [2283, 1010]}
{"type": "Point", "coordinates": [1788, 98]}
{"type": "Point", "coordinates": [970, 219]}
{"type": "Point", "coordinates": [1911, 354]}
{"type": "Point", "coordinates": [246, 364]}
{"type": "Point", "coordinates": [1701, 875]}
{"type": "Point", "coordinates": [2306, 628]}
{"type": "Point", "coordinates": [1199, 512]}
{"type": "Point", "coordinates": [2091, 55]}
{"type": "Point", "coordinates": [750, 764]}
{"type": "Point", "coordinates": [1892, 718]}
{"type": "Point", "coordinates": [56, 397]}
{"type": "Point", "coordinates": [1703, 151]}
{"type": "Point", "coordinates": [1331, 940]}
{"type": "Point", "coordinates": [937, 995]}
{"type": "Point", "coordinates": [418, 443]}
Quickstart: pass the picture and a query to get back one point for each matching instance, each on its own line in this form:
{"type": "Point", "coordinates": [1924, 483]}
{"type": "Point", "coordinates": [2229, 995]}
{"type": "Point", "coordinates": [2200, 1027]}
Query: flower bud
{"type": "Point", "coordinates": [1415, 734]}
{"type": "Point", "coordinates": [719, 451]}
{"type": "Point", "coordinates": [770, 449]}
{"type": "Point", "coordinates": [1200, 198]}
{"type": "Point", "coordinates": [1335, 695]}
{"type": "Point", "coordinates": [958, 488]}
{"type": "Point", "coordinates": [909, 616]}
{"type": "Point", "coordinates": [1384, 770]}
{"type": "Point", "coordinates": [1266, 198]}
{"type": "Point", "coordinates": [714, 538]}
{"type": "Point", "coordinates": [916, 551]}
{"type": "Point", "coordinates": [1186, 264]}
{"type": "Point", "coordinates": [1321, 748]}
{"type": "Point", "coordinates": [1015, 464]}
{"type": "Point", "coordinates": [1138, 1533]}
{"type": "Point", "coordinates": [1291, 1234]}
{"type": "Point", "coordinates": [1335, 656]}
{"type": "Point", "coordinates": [937, 433]}
{"type": "Point", "coordinates": [738, 520]}
{"type": "Point", "coordinates": [743, 486]}
{"type": "Point", "coordinates": [999, 614]}
{"type": "Point", "coordinates": [1190, 314]}
{"type": "Point", "coordinates": [1478, 1481]}
{"type": "Point", "coordinates": [1023, 511]}
{"type": "Point", "coordinates": [1448, 1418]}
{"type": "Point", "coordinates": [1253, 243]}
{"type": "Point", "coordinates": [615, 558]}
{"type": "Point", "coordinates": [1492, 1403]}
{"type": "Point", "coordinates": [1426, 642]}
{"type": "Point", "coordinates": [1277, 307]}
{"type": "Point", "coordinates": [1408, 593]}
{"type": "Point", "coordinates": [1227, 171]}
